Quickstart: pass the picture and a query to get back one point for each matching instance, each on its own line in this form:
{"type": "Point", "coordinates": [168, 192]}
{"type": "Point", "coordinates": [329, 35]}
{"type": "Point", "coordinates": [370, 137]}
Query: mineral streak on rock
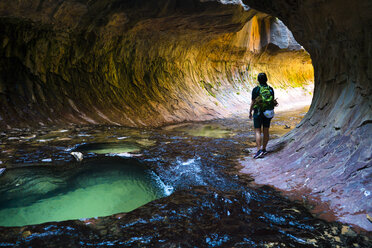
{"type": "Point", "coordinates": [138, 63]}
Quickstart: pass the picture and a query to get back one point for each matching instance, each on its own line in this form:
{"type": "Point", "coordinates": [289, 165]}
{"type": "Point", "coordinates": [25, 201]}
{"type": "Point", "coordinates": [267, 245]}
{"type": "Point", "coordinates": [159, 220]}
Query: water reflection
{"type": "Point", "coordinates": [283, 122]}
{"type": "Point", "coordinates": [203, 130]}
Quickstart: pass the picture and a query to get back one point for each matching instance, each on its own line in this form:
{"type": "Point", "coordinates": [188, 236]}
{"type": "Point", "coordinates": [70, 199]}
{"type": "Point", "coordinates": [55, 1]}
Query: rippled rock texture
{"type": "Point", "coordinates": [137, 63]}
{"type": "Point", "coordinates": [144, 63]}
{"type": "Point", "coordinates": [330, 152]}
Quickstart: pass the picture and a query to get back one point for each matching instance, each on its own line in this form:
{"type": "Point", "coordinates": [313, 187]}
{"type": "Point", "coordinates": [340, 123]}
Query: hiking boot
{"type": "Point", "coordinates": [259, 154]}
{"type": "Point", "coordinates": [264, 152]}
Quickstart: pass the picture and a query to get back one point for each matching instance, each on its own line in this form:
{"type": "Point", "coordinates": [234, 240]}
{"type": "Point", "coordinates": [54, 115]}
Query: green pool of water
{"type": "Point", "coordinates": [39, 194]}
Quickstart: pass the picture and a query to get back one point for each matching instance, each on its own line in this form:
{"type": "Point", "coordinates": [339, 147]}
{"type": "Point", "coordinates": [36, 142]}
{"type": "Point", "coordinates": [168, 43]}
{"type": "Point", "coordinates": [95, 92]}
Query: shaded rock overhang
{"type": "Point", "coordinates": [138, 63]}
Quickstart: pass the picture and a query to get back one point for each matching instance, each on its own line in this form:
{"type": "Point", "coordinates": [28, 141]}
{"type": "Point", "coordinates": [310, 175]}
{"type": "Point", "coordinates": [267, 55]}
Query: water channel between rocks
{"type": "Point", "coordinates": [181, 180]}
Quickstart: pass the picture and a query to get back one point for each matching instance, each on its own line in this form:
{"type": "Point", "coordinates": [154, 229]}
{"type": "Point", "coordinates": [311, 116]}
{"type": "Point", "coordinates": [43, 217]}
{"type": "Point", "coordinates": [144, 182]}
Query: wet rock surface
{"type": "Point", "coordinates": [213, 205]}
{"type": "Point", "coordinates": [329, 154]}
{"type": "Point", "coordinates": [336, 171]}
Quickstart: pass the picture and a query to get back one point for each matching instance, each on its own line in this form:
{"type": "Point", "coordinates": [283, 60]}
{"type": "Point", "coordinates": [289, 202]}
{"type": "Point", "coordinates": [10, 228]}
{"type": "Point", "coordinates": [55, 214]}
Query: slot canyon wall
{"type": "Point", "coordinates": [330, 153]}
{"type": "Point", "coordinates": [141, 63]}
{"type": "Point", "coordinates": [138, 63]}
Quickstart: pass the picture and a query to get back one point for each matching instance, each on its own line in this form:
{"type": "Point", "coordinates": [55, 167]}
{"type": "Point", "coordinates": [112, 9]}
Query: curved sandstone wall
{"type": "Point", "coordinates": [138, 63]}
{"type": "Point", "coordinates": [330, 152]}
{"type": "Point", "coordinates": [141, 63]}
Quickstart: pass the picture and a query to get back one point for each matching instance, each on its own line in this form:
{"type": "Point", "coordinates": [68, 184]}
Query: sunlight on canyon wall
{"type": "Point", "coordinates": [140, 64]}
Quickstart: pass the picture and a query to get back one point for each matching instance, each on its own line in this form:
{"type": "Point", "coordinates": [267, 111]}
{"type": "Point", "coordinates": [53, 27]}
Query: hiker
{"type": "Point", "coordinates": [263, 104]}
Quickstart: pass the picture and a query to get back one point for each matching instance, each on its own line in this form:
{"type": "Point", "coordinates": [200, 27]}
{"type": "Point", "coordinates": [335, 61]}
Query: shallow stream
{"type": "Point", "coordinates": [187, 176]}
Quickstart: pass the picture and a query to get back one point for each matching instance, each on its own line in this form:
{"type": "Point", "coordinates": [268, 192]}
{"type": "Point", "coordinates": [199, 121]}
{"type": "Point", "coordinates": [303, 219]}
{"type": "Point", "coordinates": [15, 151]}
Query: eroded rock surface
{"type": "Point", "coordinates": [144, 63]}
{"type": "Point", "coordinates": [138, 63]}
{"type": "Point", "coordinates": [330, 151]}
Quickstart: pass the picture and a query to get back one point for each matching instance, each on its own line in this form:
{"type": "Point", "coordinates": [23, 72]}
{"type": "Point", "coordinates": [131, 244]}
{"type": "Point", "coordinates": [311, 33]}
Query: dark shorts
{"type": "Point", "coordinates": [261, 120]}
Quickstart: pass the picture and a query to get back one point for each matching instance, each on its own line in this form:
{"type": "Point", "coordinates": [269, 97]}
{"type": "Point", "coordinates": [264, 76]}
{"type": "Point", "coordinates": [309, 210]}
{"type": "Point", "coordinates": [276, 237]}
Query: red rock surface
{"type": "Point", "coordinates": [156, 62]}
{"type": "Point", "coordinates": [330, 153]}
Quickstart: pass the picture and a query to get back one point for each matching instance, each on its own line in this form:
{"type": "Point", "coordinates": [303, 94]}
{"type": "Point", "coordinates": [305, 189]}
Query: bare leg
{"type": "Point", "coordinates": [265, 137]}
{"type": "Point", "coordinates": [258, 138]}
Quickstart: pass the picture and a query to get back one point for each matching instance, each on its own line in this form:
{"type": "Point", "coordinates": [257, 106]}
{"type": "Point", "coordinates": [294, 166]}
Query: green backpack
{"type": "Point", "coordinates": [267, 98]}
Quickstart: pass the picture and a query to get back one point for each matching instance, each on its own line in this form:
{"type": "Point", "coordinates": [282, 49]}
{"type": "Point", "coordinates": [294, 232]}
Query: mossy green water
{"type": "Point", "coordinates": [99, 188]}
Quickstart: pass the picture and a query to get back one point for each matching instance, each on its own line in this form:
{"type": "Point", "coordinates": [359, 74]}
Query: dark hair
{"type": "Point", "coordinates": [262, 78]}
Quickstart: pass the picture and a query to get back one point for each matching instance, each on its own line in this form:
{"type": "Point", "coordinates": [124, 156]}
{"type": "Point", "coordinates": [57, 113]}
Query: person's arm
{"type": "Point", "coordinates": [251, 109]}
{"type": "Point", "coordinates": [254, 95]}
{"type": "Point", "coordinates": [275, 102]}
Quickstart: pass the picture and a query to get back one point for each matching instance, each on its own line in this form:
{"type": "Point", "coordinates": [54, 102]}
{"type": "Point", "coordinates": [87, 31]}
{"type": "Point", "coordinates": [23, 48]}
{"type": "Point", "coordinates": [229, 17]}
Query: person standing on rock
{"type": "Point", "coordinates": [262, 105]}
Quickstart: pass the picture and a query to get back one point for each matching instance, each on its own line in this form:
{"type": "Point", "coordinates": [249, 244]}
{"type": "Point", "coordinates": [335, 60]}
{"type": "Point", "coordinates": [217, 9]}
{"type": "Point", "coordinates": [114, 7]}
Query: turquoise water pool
{"type": "Point", "coordinates": [33, 195]}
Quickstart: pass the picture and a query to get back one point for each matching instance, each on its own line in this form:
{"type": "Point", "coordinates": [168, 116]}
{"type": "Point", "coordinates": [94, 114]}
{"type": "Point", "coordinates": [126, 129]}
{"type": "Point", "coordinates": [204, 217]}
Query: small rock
{"type": "Point", "coordinates": [46, 160]}
{"type": "Point", "coordinates": [338, 239]}
{"type": "Point", "coordinates": [44, 140]}
{"type": "Point", "coordinates": [28, 137]}
{"type": "Point", "coordinates": [346, 230]}
{"type": "Point", "coordinates": [25, 234]}
{"type": "Point", "coordinates": [78, 156]}
{"type": "Point", "coordinates": [246, 150]}
{"type": "Point", "coordinates": [83, 135]}
{"type": "Point", "coordinates": [287, 127]}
